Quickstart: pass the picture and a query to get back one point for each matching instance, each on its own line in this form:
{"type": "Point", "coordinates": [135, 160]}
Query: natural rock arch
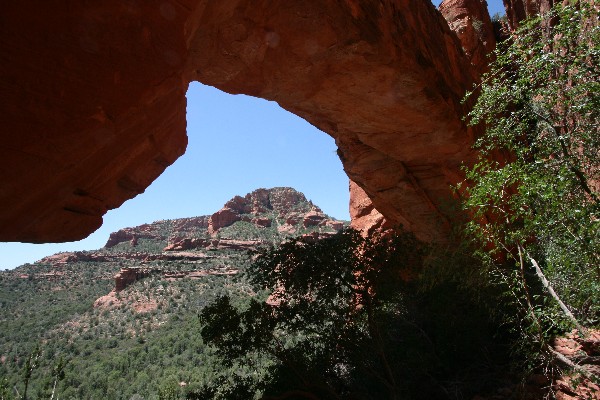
{"type": "Point", "coordinates": [93, 98]}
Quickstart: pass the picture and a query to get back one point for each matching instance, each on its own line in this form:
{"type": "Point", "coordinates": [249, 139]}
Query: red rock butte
{"type": "Point", "coordinates": [93, 97]}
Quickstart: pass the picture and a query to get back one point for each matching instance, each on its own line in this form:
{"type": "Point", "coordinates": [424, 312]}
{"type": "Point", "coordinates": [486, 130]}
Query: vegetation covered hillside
{"type": "Point", "coordinates": [63, 311]}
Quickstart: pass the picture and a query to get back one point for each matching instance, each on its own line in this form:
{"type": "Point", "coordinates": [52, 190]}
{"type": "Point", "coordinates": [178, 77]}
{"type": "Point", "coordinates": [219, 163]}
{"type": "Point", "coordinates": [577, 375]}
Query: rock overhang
{"type": "Point", "coordinates": [94, 99]}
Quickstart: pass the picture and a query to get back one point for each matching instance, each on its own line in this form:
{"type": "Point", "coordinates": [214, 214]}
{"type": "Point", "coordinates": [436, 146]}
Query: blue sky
{"type": "Point", "coordinates": [496, 7]}
{"type": "Point", "coordinates": [236, 145]}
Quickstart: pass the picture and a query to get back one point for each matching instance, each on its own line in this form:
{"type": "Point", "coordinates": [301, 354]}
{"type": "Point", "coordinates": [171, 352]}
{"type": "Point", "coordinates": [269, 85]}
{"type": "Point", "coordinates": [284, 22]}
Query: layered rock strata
{"type": "Point", "coordinates": [281, 211]}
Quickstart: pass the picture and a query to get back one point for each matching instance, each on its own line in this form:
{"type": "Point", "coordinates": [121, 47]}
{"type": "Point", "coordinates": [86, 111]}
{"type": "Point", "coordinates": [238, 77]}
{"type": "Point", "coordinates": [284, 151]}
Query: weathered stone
{"type": "Point", "coordinates": [282, 201]}
{"type": "Point", "coordinates": [92, 106]}
{"type": "Point", "coordinates": [180, 228]}
{"type": "Point", "coordinates": [518, 10]}
{"type": "Point", "coordinates": [264, 222]}
{"type": "Point", "coordinates": [222, 218]}
{"type": "Point", "coordinates": [313, 218]}
{"type": "Point", "coordinates": [363, 214]}
{"type": "Point", "coordinates": [471, 22]}
{"type": "Point", "coordinates": [93, 98]}
{"type": "Point", "coordinates": [187, 244]}
{"type": "Point", "coordinates": [127, 276]}
{"type": "Point", "coordinates": [335, 225]}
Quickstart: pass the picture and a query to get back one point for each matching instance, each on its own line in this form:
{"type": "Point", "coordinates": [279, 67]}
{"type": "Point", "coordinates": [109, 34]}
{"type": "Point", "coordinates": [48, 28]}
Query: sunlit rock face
{"type": "Point", "coordinates": [93, 98]}
{"type": "Point", "coordinates": [384, 79]}
{"type": "Point", "coordinates": [363, 214]}
{"type": "Point", "coordinates": [471, 22]}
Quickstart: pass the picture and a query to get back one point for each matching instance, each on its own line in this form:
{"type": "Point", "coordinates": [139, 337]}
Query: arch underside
{"type": "Point", "coordinates": [93, 99]}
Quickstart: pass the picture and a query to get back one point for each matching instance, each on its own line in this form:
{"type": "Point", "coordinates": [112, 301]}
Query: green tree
{"type": "Point", "coordinates": [534, 191]}
{"type": "Point", "coordinates": [5, 393]}
{"type": "Point", "coordinates": [346, 317]}
{"type": "Point", "coordinates": [322, 328]}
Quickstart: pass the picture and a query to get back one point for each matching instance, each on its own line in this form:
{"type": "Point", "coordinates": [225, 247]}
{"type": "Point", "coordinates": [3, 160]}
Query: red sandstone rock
{"type": "Point", "coordinates": [68, 257]}
{"type": "Point", "coordinates": [363, 214]}
{"type": "Point", "coordinates": [179, 229]}
{"type": "Point", "coordinates": [335, 225]}
{"type": "Point", "coordinates": [570, 385]}
{"type": "Point", "coordinates": [131, 235]}
{"type": "Point", "coordinates": [518, 10]}
{"type": "Point", "coordinates": [107, 300]}
{"type": "Point", "coordinates": [385, 79]}
{"type": "Point", "coordinates": [93, 98]}
{"type": "Point", "coordinates": [112, 301]}
{"type": "Point", "coordinates": [471, 22]}
{"type": "Point", "coordinates": [284, 202]}
{"type": "Point", "coordinates": [315, 236]}
{"type": "Point", "coordinates": [186, 225]}
{"type": "Point", "coordinates": [92, 110]}
{"type": "Point", "coordinates": [222, 218]}
{"type": "Point", "coordinates": [127, 276]}
{"type": "Point", "coordinates": [264, 222]}
{"type": "Point", "coordinates": [59, 258]}
{"type": "Point", "coordinates": [233, 244]}
{"type": "Point", "coordinates": [313, 218]}
{"type": "Point", "coordinates": [286, 229]}
{"type": "Point", "coordinates": [187, 244]}
{"type": "Point", "coordinates": [293, 219]}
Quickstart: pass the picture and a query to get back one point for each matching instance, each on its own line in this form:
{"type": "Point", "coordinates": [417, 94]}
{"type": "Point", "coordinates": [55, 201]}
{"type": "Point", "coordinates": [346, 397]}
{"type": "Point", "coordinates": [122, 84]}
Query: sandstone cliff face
{"type": "Point", "coordinates": [518, 10]}
{"type": "Point", "coordinates": [93, 98]}
{"type": "Point", "coordinates": [471, 22]}
{"type": "Point", "coordinates": [127, 276]}
{"type": "Point", "coordinates": [385, 79]}
{"type": "Point", "coordinates": [281, 202]}
{"type": "Point", "coordinates": [92, 111]}
{"type": "Point", "coordinates": [276, 212]}
{"type": "Point", "coordinates": [363, 214]}
{"type": "Point", "coordinates": [159, 231]}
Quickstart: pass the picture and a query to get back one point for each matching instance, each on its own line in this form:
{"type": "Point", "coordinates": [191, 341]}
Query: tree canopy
{"type": "Point", "coordinates": [344, 317]}
{"type": "Point", "coordinates": [534, 191]}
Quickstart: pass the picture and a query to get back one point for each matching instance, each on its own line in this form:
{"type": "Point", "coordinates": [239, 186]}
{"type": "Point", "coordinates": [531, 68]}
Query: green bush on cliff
{"type": "Point", "coordinates": [534, 192]}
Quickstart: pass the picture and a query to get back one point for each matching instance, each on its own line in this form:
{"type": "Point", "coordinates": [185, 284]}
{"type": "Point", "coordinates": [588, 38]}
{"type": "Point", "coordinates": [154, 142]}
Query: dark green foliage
{"type": "Point", "coordinates": [113, 352]}
{"type": "Point", "coordinates": [534, 191]}
{"type": "Point", "coordinates": [342, 321]}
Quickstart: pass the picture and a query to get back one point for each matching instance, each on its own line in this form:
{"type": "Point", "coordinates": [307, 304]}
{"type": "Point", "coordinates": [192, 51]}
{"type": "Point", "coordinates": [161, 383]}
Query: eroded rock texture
{"type": "Point", "coordinates": [93, 98]}
{"type": "Point", "coordinates": [92, 109]}
{"type": "Point", "coordinates": [365, 217]}
{"type": "Point", "coordinates": [518, 10]}
{"type": "Point", "coordinates": [385, 79]}
{"type": "Point", "coordinates": [471, 22]}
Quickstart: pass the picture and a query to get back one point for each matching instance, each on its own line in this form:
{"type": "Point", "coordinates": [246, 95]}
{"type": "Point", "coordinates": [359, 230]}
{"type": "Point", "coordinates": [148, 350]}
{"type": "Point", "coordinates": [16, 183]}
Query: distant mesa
{"type": "Point", "coordinates": [281, 208]}
{"type": "Point", "coordinates": [201, 244]}
{"type": "Point", "coordinates": [263, 207]}
{"type": "Point", "coordinates": [155, 230]}
{"type": "Point", "coordinates": [129, 275]}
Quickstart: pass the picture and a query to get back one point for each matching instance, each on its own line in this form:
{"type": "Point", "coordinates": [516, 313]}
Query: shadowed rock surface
{"type": "Point", "coordinates": [93, 98]}
{"type": "Point", "coordinates": [518, 10]}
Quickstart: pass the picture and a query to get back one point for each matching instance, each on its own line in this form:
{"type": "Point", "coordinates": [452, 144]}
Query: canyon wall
{"type": "Point", "coordinates": [518, 10]}
{"type": "Point", "coordinates": [93, 98]}
{"type": "Point", "coordinates": [92, 108]}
